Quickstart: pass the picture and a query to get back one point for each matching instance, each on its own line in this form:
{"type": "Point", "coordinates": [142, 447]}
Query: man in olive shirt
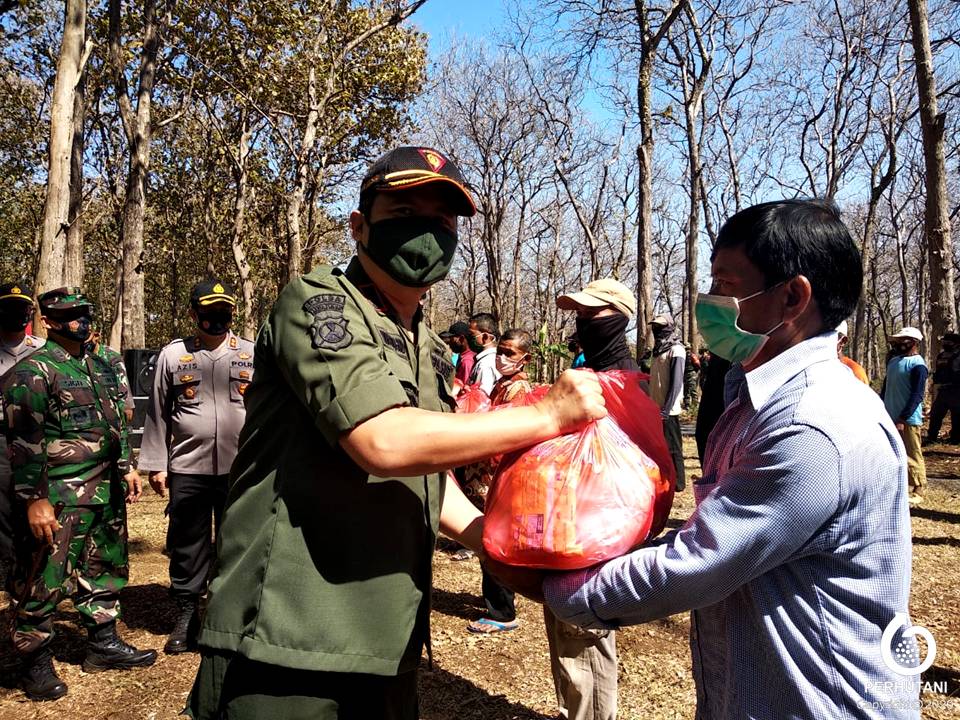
{"type": "Point", "coordinates": [321, 602]}
{"type": "Point", "coordinates": [190, 440]}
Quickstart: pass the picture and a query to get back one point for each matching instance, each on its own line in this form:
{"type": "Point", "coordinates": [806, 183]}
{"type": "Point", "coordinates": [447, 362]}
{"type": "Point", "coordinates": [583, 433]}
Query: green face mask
{"type": "Point", "coordinates": [717, 317]}
{"type": "Point", "coordinates": [474, 344]}
{"type": "Point", "coordinates": [414, 251]}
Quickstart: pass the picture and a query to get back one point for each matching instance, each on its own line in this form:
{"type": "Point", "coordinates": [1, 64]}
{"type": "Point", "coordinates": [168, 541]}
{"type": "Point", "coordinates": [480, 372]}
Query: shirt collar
{"type": "Point", "coordinates": [361, 281]}
{"type": "Point", "coordinates": [486, 352]}
{"type": "Point", "coordinates": [764, 381]}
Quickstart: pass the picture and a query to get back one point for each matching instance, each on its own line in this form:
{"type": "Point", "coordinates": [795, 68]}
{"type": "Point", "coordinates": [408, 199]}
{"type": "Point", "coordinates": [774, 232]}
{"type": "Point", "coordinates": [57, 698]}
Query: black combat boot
{"type": "Point", "coordinates": [38, 678]}
{"type": "Point", "coordinates": [106, 651]}
{"type": "Point", "coordinates": [185, 630]}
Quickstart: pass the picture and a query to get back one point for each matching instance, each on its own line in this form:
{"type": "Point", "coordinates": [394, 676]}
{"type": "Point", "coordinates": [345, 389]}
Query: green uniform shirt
{"type": "Point", "coordinates": [66, 429]}
{"type": "Point", "coordinates": [321, 566]}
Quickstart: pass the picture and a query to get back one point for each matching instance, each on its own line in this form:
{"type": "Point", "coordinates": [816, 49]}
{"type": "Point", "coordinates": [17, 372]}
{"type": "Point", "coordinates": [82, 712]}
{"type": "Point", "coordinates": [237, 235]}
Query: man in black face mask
{"type": "Point", "coordinates": [584, 662]}
{"type": "Point", "coordinates": [16, 311]}
{"type": "Point", "coordinates": [190, 440]}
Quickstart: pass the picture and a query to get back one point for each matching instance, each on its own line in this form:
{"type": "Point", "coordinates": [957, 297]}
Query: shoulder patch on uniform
{"type": "Point", "coordinates": [329, 328]}
{"type": "Point", "coordinates": [393, 341]}
{"type": "Point", "coordinates": [234, 344]}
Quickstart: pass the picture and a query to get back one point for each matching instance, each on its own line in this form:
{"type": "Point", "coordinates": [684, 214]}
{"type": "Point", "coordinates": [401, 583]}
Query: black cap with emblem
{"type": "Point", "coordinates": [210, 292]}
{"type": "Point", "coordinates": [407, 167]}
{"type": "Point", "coordinates": [16, 293]}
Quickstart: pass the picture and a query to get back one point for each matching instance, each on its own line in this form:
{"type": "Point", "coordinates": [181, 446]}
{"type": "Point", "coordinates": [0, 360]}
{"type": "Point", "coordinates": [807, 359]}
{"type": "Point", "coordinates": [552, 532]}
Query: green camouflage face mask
{"type": "Point", "coordinates": [414, 251]}
{"type": "Point", "coordinates": [717, 318]}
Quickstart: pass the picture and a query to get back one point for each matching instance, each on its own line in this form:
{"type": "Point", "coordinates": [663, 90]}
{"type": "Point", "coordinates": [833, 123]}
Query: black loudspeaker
{"type": "Point", "coordinates": [141, 366]}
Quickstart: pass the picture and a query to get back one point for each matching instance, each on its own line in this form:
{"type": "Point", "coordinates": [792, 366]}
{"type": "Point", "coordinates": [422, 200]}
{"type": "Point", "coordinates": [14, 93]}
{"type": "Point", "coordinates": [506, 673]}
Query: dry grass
{"type": "Point", "coordinates": [474, 677]}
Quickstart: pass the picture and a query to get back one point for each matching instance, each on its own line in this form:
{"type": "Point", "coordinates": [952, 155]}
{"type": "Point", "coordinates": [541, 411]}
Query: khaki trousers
{"type": "Point", "coordinates": [584, 665]}
{"type": "Point", "coordinates": [916, 467]}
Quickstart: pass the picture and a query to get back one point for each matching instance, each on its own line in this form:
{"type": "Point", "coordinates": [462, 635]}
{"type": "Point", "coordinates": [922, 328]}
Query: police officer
{"type": "Point", "coordinates": [190, 440]}
{"type": "Point", "coordinates": [320, 605]}
{"type": "Point", "coordinates": [16, 311]}
{"type": "Point", "coordinates": [68, 446]}
{"type": "Point", "coordinates": [946, 378]}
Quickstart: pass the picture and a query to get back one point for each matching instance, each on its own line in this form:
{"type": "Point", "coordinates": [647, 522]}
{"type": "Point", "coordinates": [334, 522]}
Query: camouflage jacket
{"type": "Point", "coordinates": [116, 362]}
{"type": "Point", "coordinates": [65, 428]}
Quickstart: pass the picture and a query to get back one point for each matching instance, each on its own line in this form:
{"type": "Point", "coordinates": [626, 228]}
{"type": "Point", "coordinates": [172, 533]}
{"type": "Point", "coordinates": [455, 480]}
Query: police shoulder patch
{"type": "Point", "coordinates": [329, 328]}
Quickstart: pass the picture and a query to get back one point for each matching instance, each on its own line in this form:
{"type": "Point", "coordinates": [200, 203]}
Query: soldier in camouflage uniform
{"type": "Point", "coordinates": [68, 446]}
{"type": "Point", "coordinates": [96, 347]}
{"type": "Point", "coordinates": [16, 311]}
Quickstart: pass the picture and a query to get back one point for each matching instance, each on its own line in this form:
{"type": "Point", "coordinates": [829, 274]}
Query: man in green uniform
{"type": "Point", "coordinates": [321, 602]}
{"type": "Point", "coordinates": [68, 444]}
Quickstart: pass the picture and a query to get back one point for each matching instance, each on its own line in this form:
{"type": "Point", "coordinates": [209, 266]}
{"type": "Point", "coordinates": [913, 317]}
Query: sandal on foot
{"type": "Point", "coordinates": [486, 626]}
{"type": "Point", "coordinates": [463, 554]}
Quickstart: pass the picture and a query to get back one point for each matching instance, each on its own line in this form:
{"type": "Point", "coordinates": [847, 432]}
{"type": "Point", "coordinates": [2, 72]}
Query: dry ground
{"type": "Point", "coordinates": [484, 678]}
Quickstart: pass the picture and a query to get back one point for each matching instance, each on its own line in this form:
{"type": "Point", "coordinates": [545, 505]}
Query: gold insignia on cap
{"type": "Point", "coordinates": [186, 358]}
{"type": "Point", "coordinates": [434, 159]}
{"type": "Point", "coordinates": [218, 288]}
{"type": "Point", "coordinates": [16, 291]}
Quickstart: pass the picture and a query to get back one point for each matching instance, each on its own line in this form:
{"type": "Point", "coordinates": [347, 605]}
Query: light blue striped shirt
{"type": "Point", "coordinates": [795, 560]}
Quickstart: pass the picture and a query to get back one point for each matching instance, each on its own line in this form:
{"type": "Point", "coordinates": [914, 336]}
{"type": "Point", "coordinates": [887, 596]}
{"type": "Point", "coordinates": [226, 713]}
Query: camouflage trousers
{"type": "Point", "coordinates": [88, 563]}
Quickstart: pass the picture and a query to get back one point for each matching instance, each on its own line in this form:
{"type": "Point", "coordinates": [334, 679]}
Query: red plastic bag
{"type": "Point", "coordinates": [639, 417]}
{"type": "Point", "coordinates": [586, 497]}
{"type": "Point", "coordinates": [473, 399]}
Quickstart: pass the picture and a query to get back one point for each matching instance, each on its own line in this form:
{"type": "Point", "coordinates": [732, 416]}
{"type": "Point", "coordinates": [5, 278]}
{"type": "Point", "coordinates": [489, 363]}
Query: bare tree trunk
{"type": "Point", "coordinates": [138, 130]}
{"type": "Point", "coordinates": [650, 42]}
{"type": "Point", "coordinates": [73, 261]}
{"type": "Point", "coordinates": [53, 241]}
{"type": "Point", "coordinates": [239, 215]}
{"type": "Point", "coordinates": [936, 218]}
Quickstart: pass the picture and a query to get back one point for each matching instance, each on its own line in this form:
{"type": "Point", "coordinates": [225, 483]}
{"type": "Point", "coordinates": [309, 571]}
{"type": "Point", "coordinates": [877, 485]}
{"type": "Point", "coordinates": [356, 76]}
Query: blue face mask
{"type": "Point", "coordinates": [718, 320]}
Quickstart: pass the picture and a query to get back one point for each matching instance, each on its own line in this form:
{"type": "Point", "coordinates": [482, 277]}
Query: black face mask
{"type": "Point", "coordinates": [14, 320]}
{"type": "Point", "coordinates": [603, 342]}
{"type": "Point", "coordinates": [79, 335]}
{"type": "Point", "coordinates": [414, 251]}
{"type": "Point", "coordinates": [214, 322]}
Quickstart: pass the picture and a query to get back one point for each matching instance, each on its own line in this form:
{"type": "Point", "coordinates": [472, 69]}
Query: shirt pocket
{"type": "Point", "coordinates": [186, 387]}
{"type": "Point", "coordinates": [241, 376]}
{"type": "Point", "coordinates": [78, 405]}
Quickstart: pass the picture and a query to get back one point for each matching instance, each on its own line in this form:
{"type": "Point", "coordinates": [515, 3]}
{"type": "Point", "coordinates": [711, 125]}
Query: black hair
{"type": "Point", "coordinates": [366, 204]}
{"type": "Point", "coordinates": [787, 238]}
{"type": "Point", "coordinates": [487, 323]}
{"type": "Point", "coordinates": [521, 338]}
{"type": "Point", "coordinates": [460, 329]}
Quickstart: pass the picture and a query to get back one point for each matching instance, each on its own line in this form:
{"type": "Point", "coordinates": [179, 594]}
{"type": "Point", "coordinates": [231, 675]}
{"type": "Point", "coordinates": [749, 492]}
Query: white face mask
{"type": "Point", "coordinates": [506, 366]}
